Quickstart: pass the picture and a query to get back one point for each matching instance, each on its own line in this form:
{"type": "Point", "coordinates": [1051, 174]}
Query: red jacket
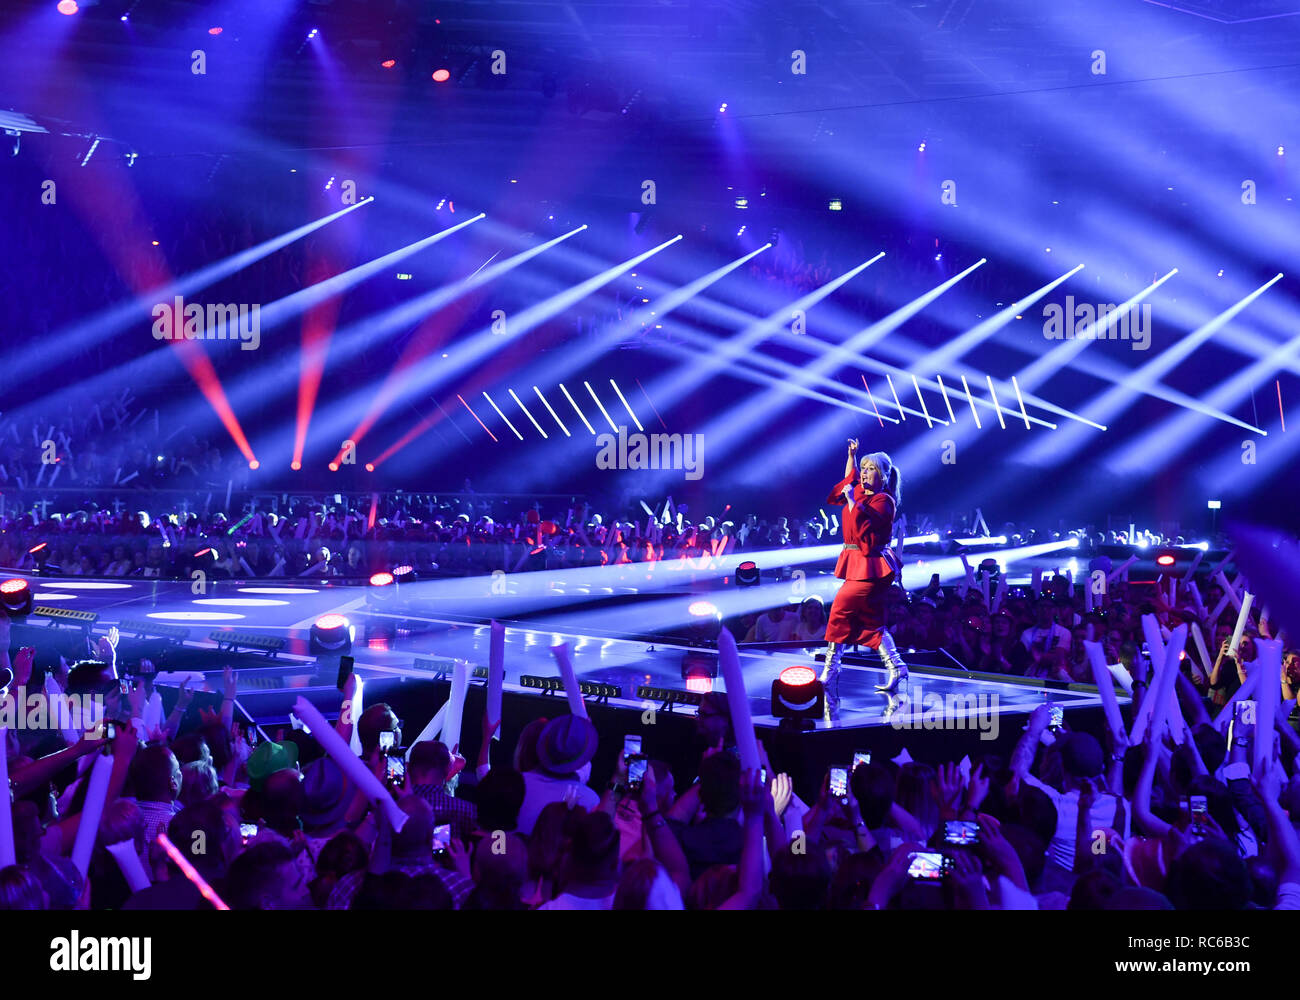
{"type": "Point", "coordinates": [868, 523]}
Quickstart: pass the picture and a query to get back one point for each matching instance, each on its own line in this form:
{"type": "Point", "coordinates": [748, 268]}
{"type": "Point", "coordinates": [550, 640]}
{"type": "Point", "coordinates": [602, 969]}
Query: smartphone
{"type": "Point", "coordinates": [396, 772]}
{"type": "Point", "coordinates": [636, 766]}
{"type": "Point", "coordinates": [1197, 806]}
{"type": "Point", "coordinates": [631, 746]}
{"type": "Point", "coordinates": [345, 670]}
{"type": "Point", "coordinates": [840, 783]}
{"type": "Point", "coordinates": [961, 831]}
{"type": "Point", "coordinates": [441, 839]}
{"type": "Point", "coordinates": [386, 740]}
{"type": "Point", "coordinates": [861, 757]}
{"type": "Point", "coordinates": [1056, 717]}
{"type": "Point", "coordinates": [247, 831]}
{"type": "Point", "coordinates": [928, 866]}
{"type": "Point", "coordinates": [762, 775]}
{"type": "Point", "coordinates": [110, 731]}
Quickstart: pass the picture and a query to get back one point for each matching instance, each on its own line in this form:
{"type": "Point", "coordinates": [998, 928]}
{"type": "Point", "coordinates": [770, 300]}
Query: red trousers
{"type": "Point", "coordinates": [857, 614]}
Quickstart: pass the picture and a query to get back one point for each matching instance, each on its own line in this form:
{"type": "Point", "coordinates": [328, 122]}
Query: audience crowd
{"type": "Point", "coordinates": [1062, 819]}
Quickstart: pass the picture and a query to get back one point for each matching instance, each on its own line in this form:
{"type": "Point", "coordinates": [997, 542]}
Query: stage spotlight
{"type": "Point", "coordinates": [254, 464]}
{"type": "Point", "coordinates": [1166, 559]}
{"type": "Point", "coordinates": [1214, 504]}
{"type": "Point", "coordinates": [214, 31]}
{"type": "Point", "coordinates": [798, 694]}
{"type": "Point", "coordinates": [383, 587]}
{"type": "Point", "coordinates": [296, 466]}
{"type": "Point", "coordinates": [403, 574]}
{"type": "Point", "coordinates": [747, 574]}
{"type": "Point", "coordinates": [313, 33]}
{"type": "Point", "coordinates": [836, 205]}
{"type": "Point", "coordinates": [705, 624]}
{"type": "Point", "coordinates": [70, 7]}
{"type": "Point", "coordinates": [370, 466]}
{"type": "Point", "coordinates": [16, 597]}
{"type": "Point", "coordinates": [699, 671]}
{"type": "Point", "coordinates": [331, 634]}
{"type": "Point", "coordinates": [441, 75]}
{"type": "Point", "coordinates": [388, 63]}
{"type": "Point", "coordinates": [334, 466]}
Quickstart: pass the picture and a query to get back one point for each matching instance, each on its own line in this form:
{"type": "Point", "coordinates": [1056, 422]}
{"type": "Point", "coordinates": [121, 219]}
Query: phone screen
{"type": "Point", "coordinates": [345, 670]}
{"type": "Point", "coordinates": [386, 740]}
{"type": "Point", "coordinates": [1198, 807]}
{"type": "Point", "coordinates": [631, 746]}
{"type": "Point", "coordinates": [861, 757]}
{"type": "Point", "coordinates": [441, 838]}
{"type": "Point", "coordinates": [636, 770]}
{"type": "Point", "coordinates": [247, 831]}
{"type": "Point", "coordinates": [961, 831]}
{"type": "Point", "coordinates": [839, 782]}
{"type": "Point", "coordinates": [928, 866]}
{"type": "Point", "coordinates": [396, 770]}
{"type": "Point", "coordinates": [1057, 717]}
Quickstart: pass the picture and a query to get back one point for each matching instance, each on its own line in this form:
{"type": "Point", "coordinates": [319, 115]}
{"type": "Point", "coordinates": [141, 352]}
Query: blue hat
{"type": "Point", "coordinates": [566, 744]}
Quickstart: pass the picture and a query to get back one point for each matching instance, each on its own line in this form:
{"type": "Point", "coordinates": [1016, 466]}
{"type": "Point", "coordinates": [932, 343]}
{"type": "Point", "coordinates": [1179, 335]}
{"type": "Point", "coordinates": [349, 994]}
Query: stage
{"type": "Point", "coordinates": [404, 651]}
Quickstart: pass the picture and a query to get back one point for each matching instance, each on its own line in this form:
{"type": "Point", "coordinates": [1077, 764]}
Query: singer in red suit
{"type": "Point", "coordinates": [869, 494]}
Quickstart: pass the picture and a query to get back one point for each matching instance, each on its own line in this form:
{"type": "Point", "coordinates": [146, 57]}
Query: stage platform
{"type": "Point", "coordinates": [403, 653]}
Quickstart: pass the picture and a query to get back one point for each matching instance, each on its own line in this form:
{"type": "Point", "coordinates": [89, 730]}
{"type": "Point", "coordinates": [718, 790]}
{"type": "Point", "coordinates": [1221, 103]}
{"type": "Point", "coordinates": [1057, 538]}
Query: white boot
{"type": "Point", "coordinates": [830, 679]}
{"type": "Point", "coordinates": [897, 668]}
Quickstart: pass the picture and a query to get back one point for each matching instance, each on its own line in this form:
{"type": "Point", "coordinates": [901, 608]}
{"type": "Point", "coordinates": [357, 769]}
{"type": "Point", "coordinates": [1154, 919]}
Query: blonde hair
{"type": "Point", "coordinates": [889, 472]}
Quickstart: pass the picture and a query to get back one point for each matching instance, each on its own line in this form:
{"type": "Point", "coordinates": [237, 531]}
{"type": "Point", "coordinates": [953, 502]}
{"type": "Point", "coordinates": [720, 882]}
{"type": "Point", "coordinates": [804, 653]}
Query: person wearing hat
{"type": "Point", "coordinates": [565, 746]}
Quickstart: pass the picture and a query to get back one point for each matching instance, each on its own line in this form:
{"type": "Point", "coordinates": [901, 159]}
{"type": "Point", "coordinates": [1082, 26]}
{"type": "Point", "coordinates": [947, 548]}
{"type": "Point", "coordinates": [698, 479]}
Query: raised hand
{"type": "Point", "coordinates": [23, 663]}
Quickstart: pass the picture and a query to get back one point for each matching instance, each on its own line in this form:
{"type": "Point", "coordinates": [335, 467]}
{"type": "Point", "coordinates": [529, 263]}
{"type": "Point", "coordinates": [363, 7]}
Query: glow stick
{"type": "Point", "coordinates": [576, 705]}
{"type": "Point", "coordinates": [1087, 594]}
{"type": "Point", "coordinates": [1168, 674]}
{"type": "Point", "coordinates": [1230, 590]}
{"type": "Point", "coordinates": [129, 863]}
{"type": "Point", "coordinates": [497, 673]}
{"type": "Point", "coordinates": [349, 763]}
{"type": "Point", "coordinates": [1101, 676]}
{"type": "Point", "coordinates": [1173, 592]}
{"type": "Point", "coordinates": [432, 731]}
{"type": "Point", "coordinates": [456, 704]}
{"type": "Point", "coordinates": [354, 713]}
{"type": "Point", "coordinates": [1268, 667]}
{"type": "Point", "coordinates": [1121, 569]}
{"type": "Point", "coordinates": [191, 873]}
{"type": "Point", "coordinates": [1191, 570]}
{"type": "Point", "coordinates": [742, 723]}
{"type": "Point", "coordinates": [1156, 648]}
{"type": "Point", "coordinates": [58, 703]}
{"type": "Point", "coordinates": [7, 856]}
{"type": "Point", "coordinates": [1037, 582]}
{"type": "Point", "coordinates": [1242, 618]}
{"type": "Point", "coordinates": [984, 589]}
{"type": "Point", "coordinates": [1218, 609]}
{"type": "Point", "coordinates": [1199, 639]}
{"type": "Point", "coordinates": [88, 828]}
{"type": "Point", "coordinates": [1177, 724]}
{"type": "Point", "coordinates": [1001, 592]}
